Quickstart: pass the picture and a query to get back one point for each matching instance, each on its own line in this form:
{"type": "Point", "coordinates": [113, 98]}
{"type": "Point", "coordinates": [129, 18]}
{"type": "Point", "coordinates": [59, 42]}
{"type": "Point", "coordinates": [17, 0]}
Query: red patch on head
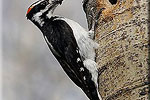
{"type": "Point", "coordinates": [29, 10]}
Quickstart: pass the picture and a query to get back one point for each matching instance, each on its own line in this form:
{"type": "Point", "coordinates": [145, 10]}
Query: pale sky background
{"type": "Point", "coordinates": [1, 50]}
{"type": "Point", "coordinates": [30, 71]}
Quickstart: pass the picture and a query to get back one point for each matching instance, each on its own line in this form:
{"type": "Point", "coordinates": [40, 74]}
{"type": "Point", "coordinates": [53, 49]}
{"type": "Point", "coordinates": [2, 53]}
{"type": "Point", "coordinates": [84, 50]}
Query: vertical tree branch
{"type": "Point", "coordinates": [123, 56]}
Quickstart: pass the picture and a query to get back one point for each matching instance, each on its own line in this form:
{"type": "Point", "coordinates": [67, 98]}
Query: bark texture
{"type": "Point", "coordinates": [123, 34]}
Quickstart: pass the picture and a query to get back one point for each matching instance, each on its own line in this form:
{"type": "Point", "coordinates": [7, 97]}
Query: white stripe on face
{"type": "Point", "coordinates": [36, 3]}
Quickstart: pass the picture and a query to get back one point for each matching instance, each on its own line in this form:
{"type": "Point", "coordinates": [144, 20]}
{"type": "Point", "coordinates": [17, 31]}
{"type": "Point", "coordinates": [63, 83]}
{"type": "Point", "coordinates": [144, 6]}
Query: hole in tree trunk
{"type": "Point", "coordinates": [113, 1]}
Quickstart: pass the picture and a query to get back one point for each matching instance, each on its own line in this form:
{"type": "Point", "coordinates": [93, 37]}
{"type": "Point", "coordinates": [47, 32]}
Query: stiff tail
{"type": "Point", "coordinates": [92, 67]}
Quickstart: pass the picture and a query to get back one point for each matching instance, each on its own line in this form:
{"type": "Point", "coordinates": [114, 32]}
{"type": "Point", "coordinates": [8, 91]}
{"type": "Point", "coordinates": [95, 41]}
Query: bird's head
{"type": "Point", "coordinates": [42, 7]}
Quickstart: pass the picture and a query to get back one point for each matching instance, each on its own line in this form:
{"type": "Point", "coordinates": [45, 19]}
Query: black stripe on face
{"type": "Point", "coordinates": [37, 7]}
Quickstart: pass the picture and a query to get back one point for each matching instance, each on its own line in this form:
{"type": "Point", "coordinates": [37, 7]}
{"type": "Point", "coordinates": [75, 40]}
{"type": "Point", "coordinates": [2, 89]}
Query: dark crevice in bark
{"type": "Point", "coordinates": [101, 70]}
{"type": "Point", "coordinates": [113, 1]}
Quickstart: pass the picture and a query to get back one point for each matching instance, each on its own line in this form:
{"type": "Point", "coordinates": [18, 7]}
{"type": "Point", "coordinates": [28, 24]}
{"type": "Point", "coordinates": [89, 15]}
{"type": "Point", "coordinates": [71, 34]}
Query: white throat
{"type": "Point", "coordinates": [38, 19]}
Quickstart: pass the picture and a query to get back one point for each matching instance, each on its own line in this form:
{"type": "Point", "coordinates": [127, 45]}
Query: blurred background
{"type": "Point", "coordinates": [30, 71]}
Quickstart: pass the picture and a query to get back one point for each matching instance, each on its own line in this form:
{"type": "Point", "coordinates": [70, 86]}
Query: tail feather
{"type": "Point", "coordinates": [91, 65]}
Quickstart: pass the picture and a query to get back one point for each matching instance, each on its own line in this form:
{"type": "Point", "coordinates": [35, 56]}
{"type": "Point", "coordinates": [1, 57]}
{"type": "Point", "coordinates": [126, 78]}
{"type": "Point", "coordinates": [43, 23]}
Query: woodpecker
{"type": "Point", "coordinates": [70, 44]}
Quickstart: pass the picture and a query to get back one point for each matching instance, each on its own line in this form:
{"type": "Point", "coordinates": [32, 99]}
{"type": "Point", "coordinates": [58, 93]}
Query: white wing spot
{"type": "Point", "coordinates": [78, 60]}
{"type": "Point", "coordinates": [77, 51]}
{"type": "Point", "coordinates": [81, 69]}
{"type": "Point", "coordinates": [84, 78]}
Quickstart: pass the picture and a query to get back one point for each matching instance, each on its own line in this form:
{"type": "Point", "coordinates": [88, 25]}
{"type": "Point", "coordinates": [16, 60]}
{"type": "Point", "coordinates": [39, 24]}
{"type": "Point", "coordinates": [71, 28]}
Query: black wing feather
{"type": "Point", "coordinates": [65, 45]}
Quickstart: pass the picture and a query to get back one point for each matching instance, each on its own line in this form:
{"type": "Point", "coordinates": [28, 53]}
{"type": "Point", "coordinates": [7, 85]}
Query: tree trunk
{"type": "Point", "coordinates": [123, 35]}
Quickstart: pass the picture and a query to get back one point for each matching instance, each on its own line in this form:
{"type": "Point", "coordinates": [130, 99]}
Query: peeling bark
{"type": "Point", "coordinates": [123, 34]}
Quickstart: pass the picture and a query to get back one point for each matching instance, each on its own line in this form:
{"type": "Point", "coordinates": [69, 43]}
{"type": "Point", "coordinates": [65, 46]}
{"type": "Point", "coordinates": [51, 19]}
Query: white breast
{"type": "Point", "coordinates": [86, 45]}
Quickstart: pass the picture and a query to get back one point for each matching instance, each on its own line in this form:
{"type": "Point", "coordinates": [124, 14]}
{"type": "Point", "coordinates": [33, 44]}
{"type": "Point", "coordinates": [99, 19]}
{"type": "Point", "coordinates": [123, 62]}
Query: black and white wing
{"type": "Point", "coordinates": [63, 45]}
